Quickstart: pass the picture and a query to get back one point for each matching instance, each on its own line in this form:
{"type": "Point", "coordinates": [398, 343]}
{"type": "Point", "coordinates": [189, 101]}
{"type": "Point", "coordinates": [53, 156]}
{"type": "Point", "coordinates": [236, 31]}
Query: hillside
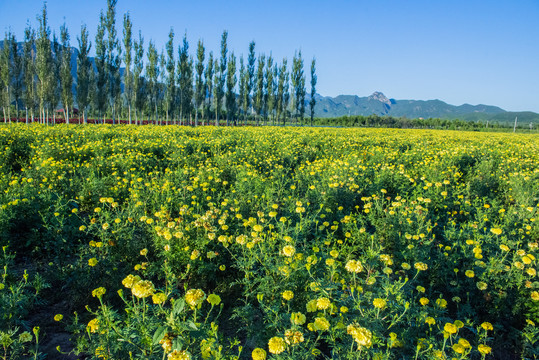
{"type": "Point", "coordinates": [379, 104]}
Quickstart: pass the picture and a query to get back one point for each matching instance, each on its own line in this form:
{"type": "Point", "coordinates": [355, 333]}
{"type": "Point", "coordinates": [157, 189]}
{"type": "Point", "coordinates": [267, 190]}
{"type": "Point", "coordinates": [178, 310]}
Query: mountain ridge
{"type": "Point", "coordinates": [379, 104]}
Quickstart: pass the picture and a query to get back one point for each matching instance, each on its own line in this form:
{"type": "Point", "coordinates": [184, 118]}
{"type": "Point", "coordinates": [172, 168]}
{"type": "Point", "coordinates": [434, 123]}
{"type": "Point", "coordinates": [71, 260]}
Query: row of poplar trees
{"type": "Point", "coordinates": [152, 88]}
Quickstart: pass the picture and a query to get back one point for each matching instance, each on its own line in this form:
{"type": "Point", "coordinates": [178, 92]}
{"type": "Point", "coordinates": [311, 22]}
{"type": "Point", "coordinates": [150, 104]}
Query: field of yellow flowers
{"type": "Point", "coordinates": [268, 243]}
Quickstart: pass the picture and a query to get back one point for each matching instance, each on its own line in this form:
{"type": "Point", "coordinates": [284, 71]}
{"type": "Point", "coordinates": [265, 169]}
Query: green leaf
{"type": "Point", "coordinates": [159, 334]}
{"type": "Point", "coordinates": [179, 304]}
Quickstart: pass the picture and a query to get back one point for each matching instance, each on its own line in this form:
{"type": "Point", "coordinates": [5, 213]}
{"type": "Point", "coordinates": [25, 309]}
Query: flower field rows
{"type": "Point", "coordinates": [227, 243]}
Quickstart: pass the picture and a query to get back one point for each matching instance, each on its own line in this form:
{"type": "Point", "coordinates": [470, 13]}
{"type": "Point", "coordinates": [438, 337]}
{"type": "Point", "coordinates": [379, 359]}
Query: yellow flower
{"type": "Point", "coordinates": [58, 317]}
{"type": "Point", "coordinates": [179, 355]}
{"type": "Point", "coordinates": [101, 353]}
{"type": "Point", "coordinates": [465, 343]}
{"type": "Point", "coordinates": [430, 320]}
{"type": "Point", "coordinates": [293, 337]}
{"type": "Point", "coordinates": [99, 292]}
{"type": "Point", "coordinates": [276, 345]}
{"type": "Point", "coordinates": [334, 253]}
{"type": "Point", "coordinates": [321, 324]}
{"type": "Point", "coordinates": [423, 301]}
{"type": "Point", "coordinates": [143, 289]}
{"type": "Point", "coordinates": [450, 328]}
{"type": "Point", "coordinates": [195, 254]}
{"type": "Point", "coordinates": [130, 281]}
{"type": "Point", "coordinates": [259, 354]}
{"type": "Point", "coordinates": [496, 231]}
{"type": "Point", "coordinates": [214, 299]}
{"type": "Point", "coordinates": [323, 303]}
{"type": "Point", "coordinates": [487, 326]}
{"type": "Point", "coordinates": [406, 266]}
{"type": "Point", "coordinates": [361, 335]}
{"type": "Point", "coordinates": [379, 303]}
{"type": "Point", "coordinates": [144, 252]}
{"type": "Point", "coordinates": [535, 295]}
{"type": "Point", "coordinates": [469, 273]}
{"type": "Point", "coordinates": [504, 247]}
{"type": "Point", "coordinates": [421, 266]}
{"type": "Point", "coordinates": [297, 318]}
{"type": "Point", "coordinates": [441, 303]}
{"type": "Point", "coordinates": [484, 349]}
{"type": "Point", "coordinates": [159, 298]}
{"type": "Point", "coordinates": [288, 295]}
{"type": "Point", "coordinates": [93, 325]}
{"type": "Point", "coordinates": [194, 297]}
{"type": "Point", "coordinates": [92, 262]}
{"type": "Point", "coordinates": [458, 348]}
{"type": "Point", "coordinates": [289, 251]}
{"type": "Point", "coordinates": [481, 285]}
{"type": "Point", "coordinates": [353, 266]}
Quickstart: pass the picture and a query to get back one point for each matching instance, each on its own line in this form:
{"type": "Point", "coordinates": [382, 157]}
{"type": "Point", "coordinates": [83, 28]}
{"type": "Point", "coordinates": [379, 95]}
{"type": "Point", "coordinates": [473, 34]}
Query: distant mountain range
{"type": "Point", "coordinates": [379, 104]}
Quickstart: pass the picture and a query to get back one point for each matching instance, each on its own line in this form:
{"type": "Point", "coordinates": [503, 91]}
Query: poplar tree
{"type": "Point", "coordinates": [199, 83]}
{"type": "Point", "coordinates": [128, 76]}
{"type": "Point", "coordinates": [84, 73]}
{"type": "Point", "coordinates": [161, 85]}
{"type": "Point", "coordinates": [208, 86]}
{"type": "Point", "coordinates": [283, 94]}
{"type": "Point", "coordinates": [44, 65]}
{"type": "Point", "coordinates": [55, 95]}
{"type": "Point", "coordinates": [275, 90]}
{"type": "Point", "coordinates": [280, 91]}
{"type": "Point", "coordinates": [230, 99]}
{"type": "Point", "coordinates": [113, 59]}
{"type": "Point", "coordinates": [170, 94]}
{"type": "Point", "coordinates": [221, 77]}
{"type": "Point", "coordinates": [137, 71]}
{"type": "Point", "coordinates": [298, 87]}
{"type": "Point", "coordinates": [152, 72]}
{"type": "Point", "coordinates": [242, 87]}
{"type": "Point", "coordinates": [314, 78]}
{"type": "Point", "coordinates": [249, 84]}
{"type": "Point", "coordinates": [29, 71]}
{"type": "Point", "coordinates": [17, 78]}
{"type": "Point", "coordinates": [5, 76]}
{"type": "Point", "coordinates": [101, 67]}
{"type": "Point", "coordinates": [185, 79]}
{"type": "Point", "coordinates": [259, 88]}
{"type": "Point", "coordinates": [269, 98]}
{"type": "Point", "coordinates": [66, 77]}
{"type": "Point", "coordinates": [286, 95]}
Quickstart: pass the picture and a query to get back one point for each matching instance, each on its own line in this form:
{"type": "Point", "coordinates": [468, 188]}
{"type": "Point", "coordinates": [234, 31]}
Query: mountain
{"type": "Point", "coordinates": [378, 104]}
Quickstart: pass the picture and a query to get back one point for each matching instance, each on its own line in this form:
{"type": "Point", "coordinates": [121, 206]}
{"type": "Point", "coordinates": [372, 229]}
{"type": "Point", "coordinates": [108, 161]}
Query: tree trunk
{"type": "Point", "coordinates": [27, 116]}
{"type": "Point", "coordinates": [67, 114]}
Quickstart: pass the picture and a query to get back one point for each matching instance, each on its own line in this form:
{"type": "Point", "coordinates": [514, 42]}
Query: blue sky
{"type": "Point", "coordinates": [476, 52]}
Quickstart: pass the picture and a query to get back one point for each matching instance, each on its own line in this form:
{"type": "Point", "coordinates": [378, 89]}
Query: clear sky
{"type": "Point", "coordinates": [476, 52]}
